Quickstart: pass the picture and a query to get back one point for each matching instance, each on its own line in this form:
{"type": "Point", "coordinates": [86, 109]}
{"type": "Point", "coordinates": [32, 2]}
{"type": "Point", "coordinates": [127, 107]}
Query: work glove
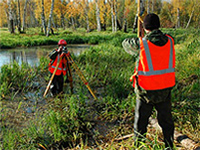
{"type": "Point", "coordinates": [59, 49]}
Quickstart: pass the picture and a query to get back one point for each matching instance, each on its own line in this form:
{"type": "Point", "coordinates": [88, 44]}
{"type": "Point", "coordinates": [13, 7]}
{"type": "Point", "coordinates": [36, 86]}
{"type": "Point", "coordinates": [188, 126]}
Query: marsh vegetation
{"type": "Point", "coordinates": [77, 121]}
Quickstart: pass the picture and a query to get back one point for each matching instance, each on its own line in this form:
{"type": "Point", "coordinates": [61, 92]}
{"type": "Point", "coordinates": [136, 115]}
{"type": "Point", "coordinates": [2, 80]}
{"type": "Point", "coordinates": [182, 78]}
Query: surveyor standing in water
{"type": "Point", "coordinates": [57, 54]}
{"type": "Point", "coordinates": [153, 78]}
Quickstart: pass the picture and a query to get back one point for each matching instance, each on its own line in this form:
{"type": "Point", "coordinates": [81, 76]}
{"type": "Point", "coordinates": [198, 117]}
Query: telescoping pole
{"type": "Point", "coordinates": [138, 32]}
{"type": "Point", "coordinates": [50, 81]}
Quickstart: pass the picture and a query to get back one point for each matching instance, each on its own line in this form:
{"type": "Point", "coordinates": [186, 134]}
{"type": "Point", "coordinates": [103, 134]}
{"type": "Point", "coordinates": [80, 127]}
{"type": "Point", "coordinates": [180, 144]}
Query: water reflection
{"type": "Point", "coordinates": [33, 54]}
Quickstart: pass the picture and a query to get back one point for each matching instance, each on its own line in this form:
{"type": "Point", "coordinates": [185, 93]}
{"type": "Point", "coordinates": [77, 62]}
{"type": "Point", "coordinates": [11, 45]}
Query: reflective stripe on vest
{"type": "Point", "coordinates": [155, 70]}
{"type": "Point", "coordinates": [149, 61]}
{"type": "Point", "coordinates": [61, 68]}
{"type": "Point", "coordinates": [58, 68]}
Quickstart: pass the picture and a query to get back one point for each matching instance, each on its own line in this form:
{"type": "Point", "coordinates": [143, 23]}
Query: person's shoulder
{"type": "Point", "coordinates": [169, 35]}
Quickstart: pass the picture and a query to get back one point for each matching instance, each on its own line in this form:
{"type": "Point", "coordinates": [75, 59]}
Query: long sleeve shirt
{"type": "Point", "coordinates": [132, 45]}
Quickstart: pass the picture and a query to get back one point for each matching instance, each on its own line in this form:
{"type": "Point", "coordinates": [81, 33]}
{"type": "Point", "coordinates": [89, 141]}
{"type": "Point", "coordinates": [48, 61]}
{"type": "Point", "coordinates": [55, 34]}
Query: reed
{"type": "Point", "coordinates": [76, 120]}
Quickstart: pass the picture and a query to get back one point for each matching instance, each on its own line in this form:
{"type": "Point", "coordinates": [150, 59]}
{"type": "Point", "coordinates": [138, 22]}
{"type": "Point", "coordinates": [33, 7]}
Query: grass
{"type": "Point", "coordinates": [186, 93]}
{"type": "Point", "coordinates": [76, 120]}
{"type": "Point", "coordinates": [33, 38]}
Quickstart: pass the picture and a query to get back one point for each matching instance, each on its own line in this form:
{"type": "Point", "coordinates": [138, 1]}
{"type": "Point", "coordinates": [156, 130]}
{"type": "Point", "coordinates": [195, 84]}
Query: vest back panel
{"type": "Point", "coordinates": [156, 68]}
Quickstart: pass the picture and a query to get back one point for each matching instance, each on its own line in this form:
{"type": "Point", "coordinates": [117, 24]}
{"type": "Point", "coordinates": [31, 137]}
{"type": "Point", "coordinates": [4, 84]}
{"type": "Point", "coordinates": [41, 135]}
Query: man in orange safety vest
{"type": "Point", "coordinates": [153, 78]}
{"type": "Point", "coordinates": [55, 56]}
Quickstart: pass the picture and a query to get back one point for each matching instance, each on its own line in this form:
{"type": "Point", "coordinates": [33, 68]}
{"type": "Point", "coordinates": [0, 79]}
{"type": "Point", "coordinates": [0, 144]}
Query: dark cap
{"type": "Point", "coordinates": [151, 21]}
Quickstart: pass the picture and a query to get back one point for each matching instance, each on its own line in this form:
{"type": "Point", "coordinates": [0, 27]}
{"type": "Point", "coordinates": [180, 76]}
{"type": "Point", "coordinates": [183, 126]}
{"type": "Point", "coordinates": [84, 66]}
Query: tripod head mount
{"type": "Point", "coordinates": [64, 49]}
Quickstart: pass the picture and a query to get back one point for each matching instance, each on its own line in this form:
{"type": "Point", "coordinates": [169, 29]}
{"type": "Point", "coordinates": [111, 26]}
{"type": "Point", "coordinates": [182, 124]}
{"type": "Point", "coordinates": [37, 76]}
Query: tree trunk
{"type": "Point", "coordinates": [152, 6]}
{"type": "Point", "coordinates": [98, 17]}
{"type": "Point", "coordinates": [34, 21]}
{"type": "Point", "coordinates": [11, 20]}
{"type": "Point", "coordinates": [119, 25]}
{"type": "Point", "coordinates": [135, 23]}
{"type": "Point", "coordinates": [62, 21]}
{"type": "Point", "coordinates": [50, 16]}
{"type": "Point", "coordinates": [148, 6]}
{"type": "Point", "coordinates": [19, 17]}
{"type": "Point", "coordinates": [86, 14]}
{"type": "Point", "coordinates": [104, 17]}
{"type": "Point", "coordinates": [87, 23]}
{"type": "Point", "coordinates": [125, 25]}
{"type": "Point", "coordinates": [7, 16]}
{"type": "Point", "coordinates": [115, 7]}
{"type": "Point", "coordinates": [73, 23]}
{"type": "Point", "coordinates": [24, 16]}
{"type": "Point", "coordinates": [112, 16]}
{"type": "Point", "coordinates": [53, 23]}
{"type": "Point", "coordinates": [190, 18]}
{"type": "Point", "coordinates": [178, 18]}
{"type": "Point", "coordinates": [62, 17]}
{"type": "Point", "coordinates": [43, 19]}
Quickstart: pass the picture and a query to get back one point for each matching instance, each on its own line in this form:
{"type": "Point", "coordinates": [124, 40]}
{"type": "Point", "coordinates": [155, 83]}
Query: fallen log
{"type": "Point", "coordinates": [184, 140]}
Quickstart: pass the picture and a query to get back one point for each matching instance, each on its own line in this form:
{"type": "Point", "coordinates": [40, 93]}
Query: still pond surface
{"type": "Point", "coordinates": [32, 55]}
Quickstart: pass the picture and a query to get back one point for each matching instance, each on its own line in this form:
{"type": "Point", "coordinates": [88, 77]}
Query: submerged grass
{"type": "Point", "coordinates": [77, 121]}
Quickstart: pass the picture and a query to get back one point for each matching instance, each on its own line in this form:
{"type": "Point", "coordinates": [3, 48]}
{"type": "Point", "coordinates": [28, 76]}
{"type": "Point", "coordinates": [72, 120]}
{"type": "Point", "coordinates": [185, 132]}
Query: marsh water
{"type": "Point", "coordinates": [32, 55]}
{"type": "Point", "coordinates": [31, 101]}
{"type": "Point", "coordinates": [21, 109]}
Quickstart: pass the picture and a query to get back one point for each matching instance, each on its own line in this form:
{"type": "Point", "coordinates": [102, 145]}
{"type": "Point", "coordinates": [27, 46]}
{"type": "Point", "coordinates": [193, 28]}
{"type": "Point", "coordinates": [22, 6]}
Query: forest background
{"type": "Point", "coordinates": [93, 14]}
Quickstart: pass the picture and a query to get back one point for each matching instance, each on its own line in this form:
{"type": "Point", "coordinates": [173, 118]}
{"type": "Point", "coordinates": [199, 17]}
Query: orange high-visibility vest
{"type": "Point", "coordinates": [62, 68]}
{"type": "Point", "coordinates": [156, 68]}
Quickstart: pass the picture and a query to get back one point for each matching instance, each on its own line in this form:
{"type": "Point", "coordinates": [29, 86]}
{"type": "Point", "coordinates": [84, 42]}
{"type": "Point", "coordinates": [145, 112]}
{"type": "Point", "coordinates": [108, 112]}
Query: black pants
{"type": "Point", "coordinates": [143, 111]}
{"type": "Point", "coordinates": [57, 84]}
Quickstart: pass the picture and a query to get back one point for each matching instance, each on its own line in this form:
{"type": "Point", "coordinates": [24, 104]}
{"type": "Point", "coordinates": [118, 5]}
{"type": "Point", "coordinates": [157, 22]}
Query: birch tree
{"type": "Point", "coordinates": [87, 17]}
{"type": "Point", "coordinates": [62, 15]}
{"type": "Point", "coordinates": [190, 18]}
{"type": "Point", "coordinates": [50, 18]}
{"type": "Point", "coordinates": [19, 17]}
{"type": "Point", "coordinates": [115, 7]}
{"type": "Point", "coordinates": [98, 16]}
{"type": "Point", "coordinates": [32, 13]}
{"type": "Point", "coordinates": [86, 11]}
{"type": "Point", "coordinates": [148, 6]}
{"type": "Point", "coordinates": [126, 12]}
{"type": "Point", "coordinates": [43, 18]}
{"type": "Point", "coordinates": [178, 18]}
{"type": "Point", "coordinates": [24, 16]}
{"type": "Point", "coordinates": [112, 16]}
{"type": "Point", "coordinates": [72, 12]}
{"type": "Point", "coordinates": [193, 17]}
{"type": "Point", "coordinates": [10, 18]}
{"type": "Point", "coordinates": [152, 6]}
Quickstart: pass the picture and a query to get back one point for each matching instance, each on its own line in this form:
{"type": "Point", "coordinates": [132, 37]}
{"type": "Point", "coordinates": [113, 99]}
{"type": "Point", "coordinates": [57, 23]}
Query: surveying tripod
{"type": "Point", "coordinates": [69, 75]}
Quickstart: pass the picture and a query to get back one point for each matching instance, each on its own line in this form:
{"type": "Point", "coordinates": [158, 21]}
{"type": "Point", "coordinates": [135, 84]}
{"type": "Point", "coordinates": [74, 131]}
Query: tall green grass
{"type": "Point", "coordinates": [62, 125]}
{"type": "Point", "coordinates": [15, 77]}
{"type": "Point", "coordinates": [70, 120]}
{"type": "Point", "coordinates": [186, 95]}
{"type": "Point", "coordinates": [33, 38]}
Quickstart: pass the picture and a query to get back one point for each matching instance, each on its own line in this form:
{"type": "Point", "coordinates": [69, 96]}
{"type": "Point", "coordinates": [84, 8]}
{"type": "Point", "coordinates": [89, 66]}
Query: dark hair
{"type": "Point", "coordinates": [151, 21]}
